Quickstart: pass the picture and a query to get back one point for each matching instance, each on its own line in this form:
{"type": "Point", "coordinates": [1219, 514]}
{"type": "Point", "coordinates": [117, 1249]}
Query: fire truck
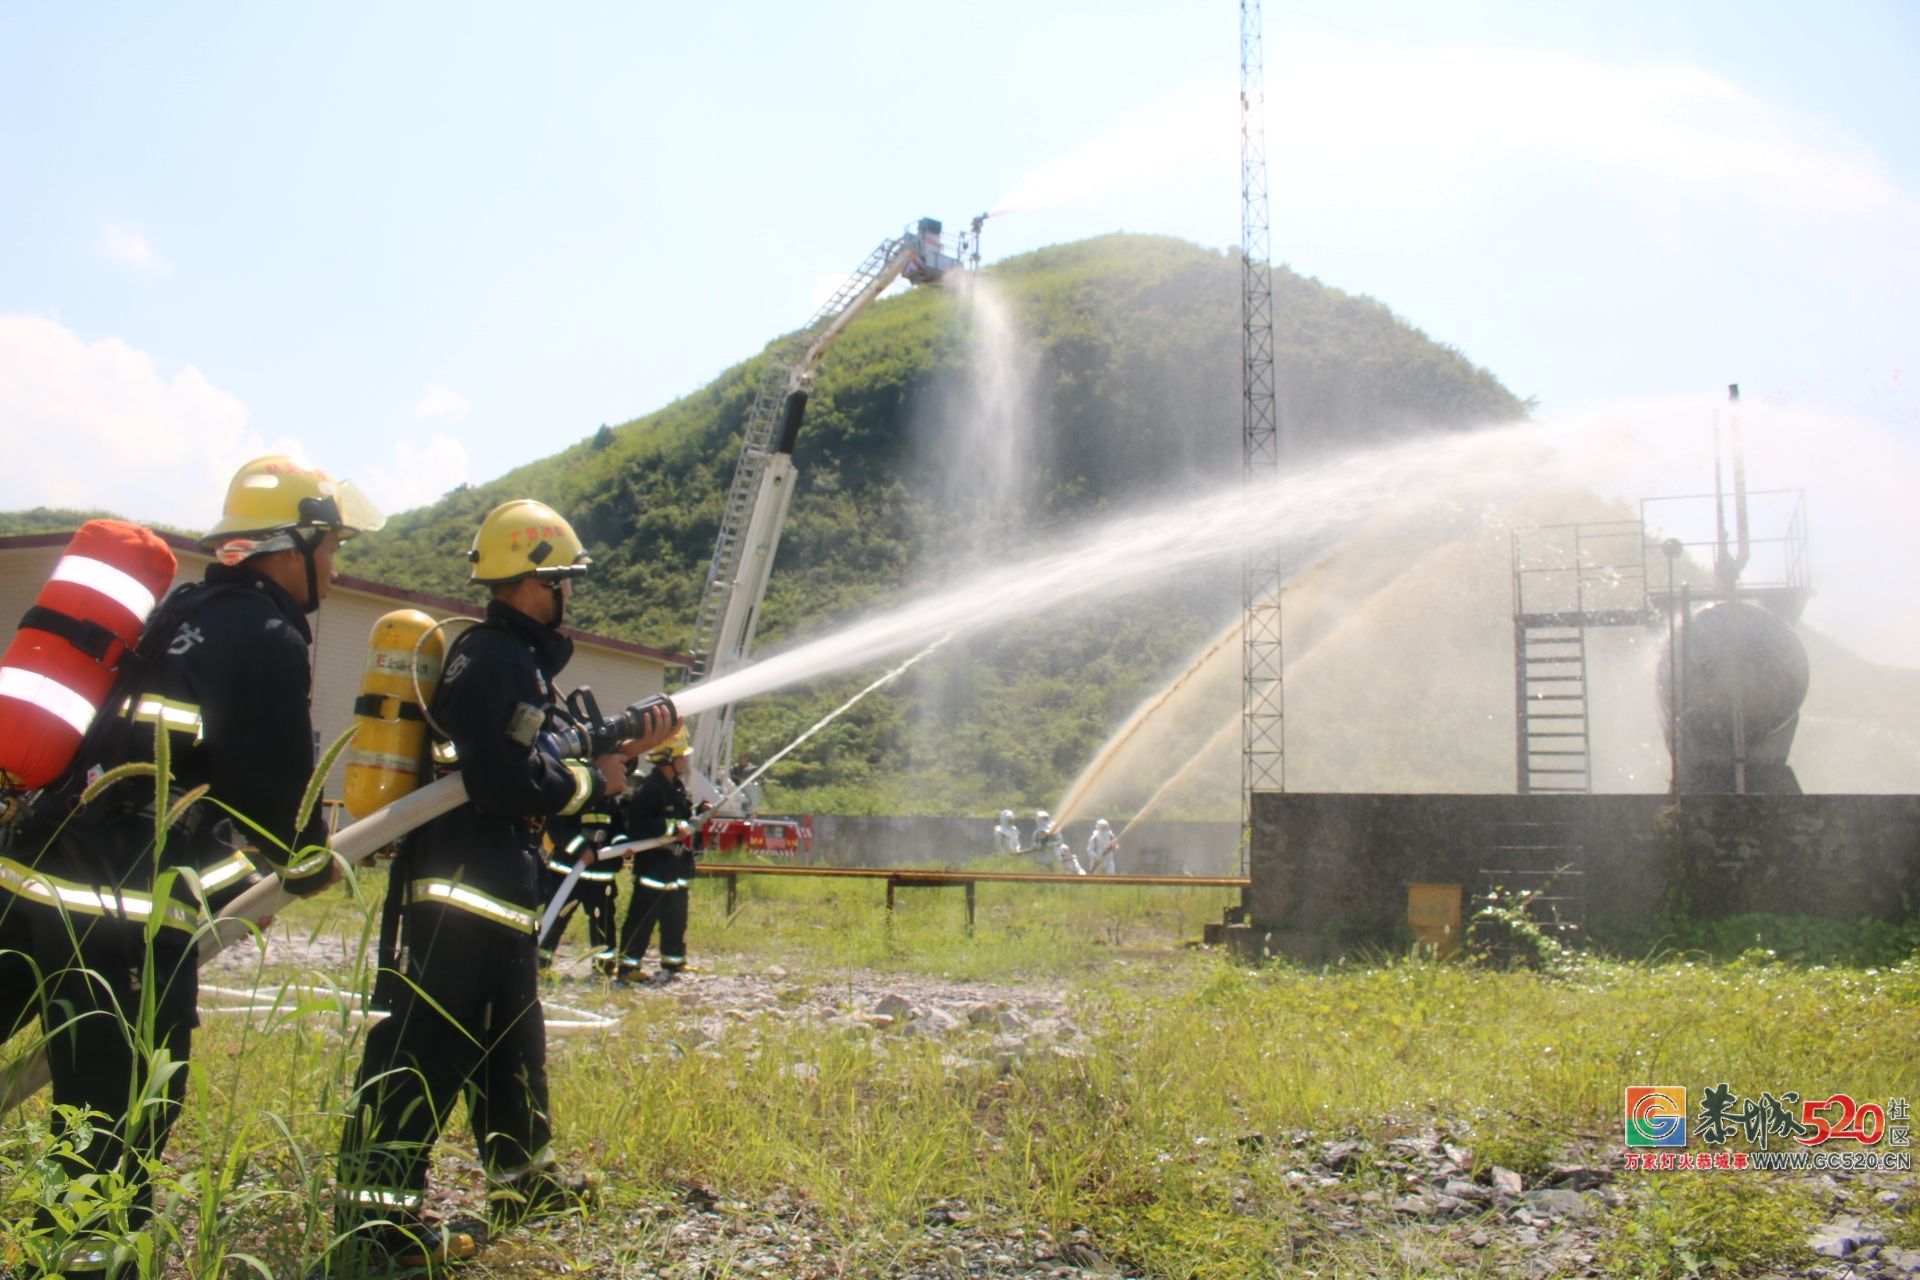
{"type": "Point", "coordinates": [757, 503]}
{"type": "Point", "coordinates": [773, 837]}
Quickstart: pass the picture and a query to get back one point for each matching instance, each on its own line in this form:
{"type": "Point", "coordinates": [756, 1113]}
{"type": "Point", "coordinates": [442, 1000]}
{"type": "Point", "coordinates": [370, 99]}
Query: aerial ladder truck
{"type": "Point", "coordinates": [762, 489]}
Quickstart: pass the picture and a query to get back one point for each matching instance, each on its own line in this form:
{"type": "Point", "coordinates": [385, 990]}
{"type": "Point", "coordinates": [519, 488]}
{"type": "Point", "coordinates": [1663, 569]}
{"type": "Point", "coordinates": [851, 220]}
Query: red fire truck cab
{"type": "Point", "coordinates": [772, 837]}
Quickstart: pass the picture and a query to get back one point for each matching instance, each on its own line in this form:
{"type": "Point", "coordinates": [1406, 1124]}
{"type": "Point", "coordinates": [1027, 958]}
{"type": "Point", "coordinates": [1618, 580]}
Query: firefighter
{"type": "Point", "coordinates": [465, 1019]}
{"type": "Point", "coordinates": [659, 807]}
{"type": "Point", "coordinates": [1103, 848]}
{"type": "Point", "coordinates": [1061, 853]}
{"type": "Point", "coordinates": [1042, 828]}
{"type": "Point", "coordinates": [1006, 836]}
{"type": "Point", "coordinates": [223, 674]}
{"type": "Point", "coordinates": [749, 792]}
{"type": "Point", "coordinates": [594, 890]}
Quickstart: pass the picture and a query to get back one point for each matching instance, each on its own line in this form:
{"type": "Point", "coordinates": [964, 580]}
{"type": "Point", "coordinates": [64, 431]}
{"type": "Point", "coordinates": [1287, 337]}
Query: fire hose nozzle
{"type": "Point", "coordinates": [602, 737]}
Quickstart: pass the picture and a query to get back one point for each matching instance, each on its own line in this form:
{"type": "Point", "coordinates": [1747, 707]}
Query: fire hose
{"type": "Point", "coordinates": [355, 844]}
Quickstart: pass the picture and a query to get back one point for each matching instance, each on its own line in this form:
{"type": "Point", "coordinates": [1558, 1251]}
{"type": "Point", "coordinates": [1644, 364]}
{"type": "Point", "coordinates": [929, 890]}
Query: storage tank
{"type": "Point", "coordinates": [1734, 656]}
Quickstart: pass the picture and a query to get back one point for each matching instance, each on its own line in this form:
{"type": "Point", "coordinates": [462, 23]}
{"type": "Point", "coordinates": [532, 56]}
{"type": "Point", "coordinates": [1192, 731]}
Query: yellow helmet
{"type": "Point", "coordinates": [525, 537]}
{"type": "Point", "coordinates": [672, 749]}
{"type": "Point", "coordinates": [271, 498]}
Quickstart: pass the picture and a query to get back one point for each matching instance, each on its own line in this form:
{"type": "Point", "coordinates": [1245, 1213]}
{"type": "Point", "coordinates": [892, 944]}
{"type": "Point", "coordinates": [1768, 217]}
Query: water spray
{"type": "Point", "coordinates": [1069, 806]}
{"type": "Point", "coordinates": [1180, 775]}
{"type": "Point", "coordinates": [1304, 662]}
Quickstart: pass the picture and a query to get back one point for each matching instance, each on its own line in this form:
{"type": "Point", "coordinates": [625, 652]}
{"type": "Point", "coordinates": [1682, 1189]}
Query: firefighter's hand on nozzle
{"type": "Point", "coordinates": [651, 721]}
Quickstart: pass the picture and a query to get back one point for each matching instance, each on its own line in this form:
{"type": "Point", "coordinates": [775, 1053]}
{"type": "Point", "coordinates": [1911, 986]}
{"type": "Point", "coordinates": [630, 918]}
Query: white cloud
{"type": "Point", "coordinates": [128, 247]}
{"type": "Point", "coordinates": [441, 402]}
{"type": "Point", "coordinates": [1411, 116]}
{"type": "Point", "coordinates": [99, 425]}
{"type": "Point", "coordinates": [1344, 119]}
{"type": "Point", "coordinates": [419, 475]}
{"type": "Point", "coordinates": [1193, 133]}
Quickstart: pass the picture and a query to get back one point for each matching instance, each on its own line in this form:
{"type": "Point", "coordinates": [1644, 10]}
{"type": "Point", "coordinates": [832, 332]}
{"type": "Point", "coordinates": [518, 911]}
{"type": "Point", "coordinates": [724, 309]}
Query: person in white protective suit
{"type": "Point", "coordinates": [1103, 848]}
{"type": "Point", "coordinates": [1062, 854]}
{"type": "Point", "coordinates": [1006, 836]}
{"type": "Point", "coordinates": [1043, 826]}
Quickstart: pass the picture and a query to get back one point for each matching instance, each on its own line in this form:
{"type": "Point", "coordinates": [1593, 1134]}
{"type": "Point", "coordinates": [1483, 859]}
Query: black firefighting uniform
{"type": "Point", "coordinates": [595, 890]}
{"type": "Point", "coordinates": [229, 685]}
{"type": "Point", "coordinates": [466, 1022]}
{"type": "Point", "coordinates": [660, 876]}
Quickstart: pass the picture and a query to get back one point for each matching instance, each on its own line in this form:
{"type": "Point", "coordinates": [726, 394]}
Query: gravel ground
{"type": "Point", "coordinates": [1413, 1201]}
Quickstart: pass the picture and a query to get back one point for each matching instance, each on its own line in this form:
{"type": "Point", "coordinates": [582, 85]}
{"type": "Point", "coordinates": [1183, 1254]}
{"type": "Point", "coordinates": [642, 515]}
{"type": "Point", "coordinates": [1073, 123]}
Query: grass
{"type": "Point", "coordinates": [1169, 1135]}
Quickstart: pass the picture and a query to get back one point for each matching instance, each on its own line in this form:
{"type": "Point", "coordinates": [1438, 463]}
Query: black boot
{"type": "Point", "coordinates": [544, 1193]}
{"type": "Point", "coordinates": [387, 1249]}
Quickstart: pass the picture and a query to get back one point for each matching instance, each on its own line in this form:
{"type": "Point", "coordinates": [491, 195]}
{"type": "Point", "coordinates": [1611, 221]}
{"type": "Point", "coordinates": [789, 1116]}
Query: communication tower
{"type": "Point", "coordinates": [1263, 738]}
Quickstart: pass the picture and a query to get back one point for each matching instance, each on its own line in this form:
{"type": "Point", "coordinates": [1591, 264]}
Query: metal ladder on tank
{"type": "Point", "coordinates": [761, 423]}
{"type": "Point", "coordinates": [1555, 742]}
{"type": "Point", "coordinates": [1566, 578]}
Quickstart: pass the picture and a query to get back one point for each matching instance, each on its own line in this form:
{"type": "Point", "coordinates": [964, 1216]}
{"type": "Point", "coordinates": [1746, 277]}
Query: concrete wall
{"type": "Point", "coordinates": [1330, 872]}
{"type": "Point", "coordinates": [1153, 848]}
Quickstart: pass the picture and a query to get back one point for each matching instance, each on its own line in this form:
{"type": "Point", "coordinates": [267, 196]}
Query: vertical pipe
{"type": "Point", "coordinates": [1683, 685]}
{"type": "Point", "coordinates": [1673, 684]}
{"type": "Point", "coordinates": [1721, 560]}
{"type": "Point", "coordinates": [1738, 659]}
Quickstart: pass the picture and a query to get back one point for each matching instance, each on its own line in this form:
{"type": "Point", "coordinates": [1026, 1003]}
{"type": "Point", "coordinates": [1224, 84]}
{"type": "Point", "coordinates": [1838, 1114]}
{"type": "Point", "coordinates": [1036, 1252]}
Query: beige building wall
{"type": "Point", "coordinates": [617, 671]}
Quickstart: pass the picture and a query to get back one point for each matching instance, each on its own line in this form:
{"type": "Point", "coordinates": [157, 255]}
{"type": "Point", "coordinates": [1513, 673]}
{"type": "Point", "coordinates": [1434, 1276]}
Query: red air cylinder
{"type": "Point", "coordinates": [64, 658]}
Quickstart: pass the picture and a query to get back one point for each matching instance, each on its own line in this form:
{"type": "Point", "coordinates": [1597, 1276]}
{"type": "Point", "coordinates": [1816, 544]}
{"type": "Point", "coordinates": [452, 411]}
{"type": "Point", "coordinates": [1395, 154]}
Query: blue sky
{"type": "Point", "coordinates": [424, 243]}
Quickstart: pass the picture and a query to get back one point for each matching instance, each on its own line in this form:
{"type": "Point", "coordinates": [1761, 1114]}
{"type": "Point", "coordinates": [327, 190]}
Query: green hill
{"type": "Point", "coordinates": [1129, 349]}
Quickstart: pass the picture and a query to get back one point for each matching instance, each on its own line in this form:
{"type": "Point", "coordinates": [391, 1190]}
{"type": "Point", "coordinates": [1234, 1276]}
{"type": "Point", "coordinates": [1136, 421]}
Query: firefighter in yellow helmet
{"type": "Point", "coordinates": [222, 673]}
{"type": "Point", "coordinates": [289, 518]}
{"type": "Point", "coordinates": [659, 806]}
{"type": "Point", "coordinates": [465, 1018]}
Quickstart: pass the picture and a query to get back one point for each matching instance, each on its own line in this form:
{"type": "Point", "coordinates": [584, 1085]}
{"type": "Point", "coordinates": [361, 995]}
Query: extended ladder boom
{"type": "Point", "coordinates": [762, 489]}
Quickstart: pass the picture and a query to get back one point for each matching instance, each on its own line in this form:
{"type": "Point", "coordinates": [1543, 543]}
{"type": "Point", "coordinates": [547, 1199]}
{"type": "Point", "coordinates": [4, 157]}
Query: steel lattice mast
{"type": "Point", "coordinates": [1263, 756]}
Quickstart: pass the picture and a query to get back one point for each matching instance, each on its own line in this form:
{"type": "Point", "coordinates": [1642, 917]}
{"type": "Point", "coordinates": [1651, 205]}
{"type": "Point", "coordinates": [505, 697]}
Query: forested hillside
{"type": "Point", "coordinates": [1124, 355]}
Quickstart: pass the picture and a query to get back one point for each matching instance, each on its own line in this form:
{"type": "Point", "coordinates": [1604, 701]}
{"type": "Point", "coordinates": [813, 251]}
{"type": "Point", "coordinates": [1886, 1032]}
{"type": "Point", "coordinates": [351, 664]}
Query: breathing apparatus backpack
{"type": "Point", "coordinates": [30, 817]}
{"type": "Point", "coordinates": [388, 757]}
{"type": "Point", "coordinates": [74, 646]}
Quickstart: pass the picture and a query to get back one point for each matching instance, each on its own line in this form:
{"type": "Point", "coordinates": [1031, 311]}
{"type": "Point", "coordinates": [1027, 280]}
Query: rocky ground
{"type": "Point", "coordinates": [1416, 1202]}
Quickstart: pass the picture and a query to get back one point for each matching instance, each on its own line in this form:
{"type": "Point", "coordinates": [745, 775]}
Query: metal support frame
{"type": "Point", "coordinates": [1263, 707]}
{"type": "Point", "coordinates": [1567, 579]}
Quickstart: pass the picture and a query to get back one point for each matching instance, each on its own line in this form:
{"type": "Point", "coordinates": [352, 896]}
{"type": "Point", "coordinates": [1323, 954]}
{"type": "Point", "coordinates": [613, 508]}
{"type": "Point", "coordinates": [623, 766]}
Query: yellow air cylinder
{"type": "Point", "coordinates": [388, 756]}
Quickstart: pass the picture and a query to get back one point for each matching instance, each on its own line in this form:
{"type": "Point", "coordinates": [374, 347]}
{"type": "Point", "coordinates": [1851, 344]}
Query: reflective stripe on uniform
{"type": "Point", "coordinates": [312, 862]}
{"type": "Point", "coordinates": [49, 695]}
{"type": "Point", "coordinates": [235, 866]}
{"type": "Point", "coordinates": [70, 895]}
{"type": "Point", "coordinates": [451, 894]}
{"type": "Point", "coordinates": [117, 585]}
{"type": "Point", "coordinates": [84, 1259]}
{"type": "Point", "coordinates": [380, 1197]}
{"type": "Point", "coordinates": [586, 785]}
{"type": "Point", "coordinates": [662, 885]}
{"type": "Point", "coordinates": [181, 717]}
